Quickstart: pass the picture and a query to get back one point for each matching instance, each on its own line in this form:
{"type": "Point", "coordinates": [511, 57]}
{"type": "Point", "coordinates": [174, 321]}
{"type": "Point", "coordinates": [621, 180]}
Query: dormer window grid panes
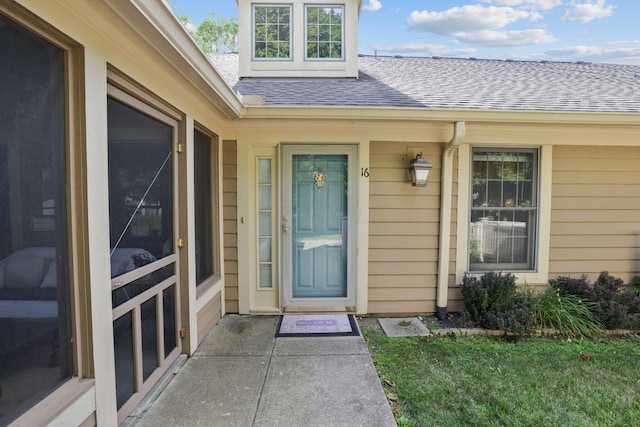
{"type": "Point", "coordinates": [272, 32]}
{"type": "Point", "coordinates": [324, 32]}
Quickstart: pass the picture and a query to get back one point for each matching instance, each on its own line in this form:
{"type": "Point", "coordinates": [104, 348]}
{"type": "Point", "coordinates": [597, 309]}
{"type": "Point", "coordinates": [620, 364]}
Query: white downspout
{"type": "Point", "coordinates": [446, 193]}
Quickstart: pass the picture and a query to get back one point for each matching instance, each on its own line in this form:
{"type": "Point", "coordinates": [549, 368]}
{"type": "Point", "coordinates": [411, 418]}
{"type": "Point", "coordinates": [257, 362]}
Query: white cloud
{"type": "Point", "coordinates": [466, 19]}
{"type": "Point", "coordinates": [480, 25]}
{"type": "Point", "coordinates": [624, 43]}
{"type": "Point", "coordinates": [527, 4]}
{"type": "Point", "coordinates": [620, 52]}
{"type": "Point", "coordinates": [535, 16]}
{"type": "Point", "coordinates": [588, 11]}
{"type": "Point", "coordinates": [423, 49]}
{"type": "Point", "coordinates": [373, 5]}
{"type": "Point", "coordinates": [507, 38]}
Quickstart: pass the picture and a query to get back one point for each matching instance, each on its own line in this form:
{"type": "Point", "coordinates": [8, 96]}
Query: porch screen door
{"type": "Point", "coordinates": [144, 261]}
{"type": "Point", "coordinates": [318, 223]}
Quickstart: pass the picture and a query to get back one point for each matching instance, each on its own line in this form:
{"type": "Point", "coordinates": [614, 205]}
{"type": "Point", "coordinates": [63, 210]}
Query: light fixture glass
{"type": "Point", "coordinates": [419, 169]}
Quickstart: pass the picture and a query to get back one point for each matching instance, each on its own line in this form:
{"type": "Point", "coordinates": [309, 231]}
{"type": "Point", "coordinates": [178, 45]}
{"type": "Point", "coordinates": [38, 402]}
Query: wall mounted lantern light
{"type": "Point", "coordinates": [419, 169]}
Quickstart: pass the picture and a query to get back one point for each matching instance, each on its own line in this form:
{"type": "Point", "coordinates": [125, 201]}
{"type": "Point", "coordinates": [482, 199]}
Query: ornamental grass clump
{"type": "Point", "coordinates": [616, 307]}
{"type": "Point", "coordinates": [569, 315]}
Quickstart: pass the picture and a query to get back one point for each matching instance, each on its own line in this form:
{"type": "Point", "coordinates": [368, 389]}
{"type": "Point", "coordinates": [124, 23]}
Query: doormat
{"type": "Point", "coordinates": [317, 325]}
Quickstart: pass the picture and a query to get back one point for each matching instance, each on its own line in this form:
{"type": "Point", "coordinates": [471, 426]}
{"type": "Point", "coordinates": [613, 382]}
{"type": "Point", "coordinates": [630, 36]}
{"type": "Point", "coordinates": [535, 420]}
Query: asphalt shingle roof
{"type": "Point", "coordinates": [445, 83]}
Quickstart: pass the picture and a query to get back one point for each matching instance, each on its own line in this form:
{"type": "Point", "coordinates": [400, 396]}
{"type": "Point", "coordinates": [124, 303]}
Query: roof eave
{"type": "Point", "coordinates": [436, 115]}
{"type": "Point", "coordinates": [157, 24]}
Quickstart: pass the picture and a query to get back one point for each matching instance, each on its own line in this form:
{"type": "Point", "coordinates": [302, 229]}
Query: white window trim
{"type": "Point", "coordinates": [342, 57]}
{"type": "Point", "coordinates": [253, 31]}
{"type": "Point", "coordinates": [541, 273]}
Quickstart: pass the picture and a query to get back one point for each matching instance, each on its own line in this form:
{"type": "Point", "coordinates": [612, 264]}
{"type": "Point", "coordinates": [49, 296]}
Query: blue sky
{"type": "Point", "coordinates": [555, 30]}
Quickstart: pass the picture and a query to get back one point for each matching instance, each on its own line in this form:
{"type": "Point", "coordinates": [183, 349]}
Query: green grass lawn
{"type": "Point", "coordinates": [486, 381]}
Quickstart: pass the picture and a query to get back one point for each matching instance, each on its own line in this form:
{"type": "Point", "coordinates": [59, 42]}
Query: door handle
{"type": "Point", "coordinates": [285, 225]}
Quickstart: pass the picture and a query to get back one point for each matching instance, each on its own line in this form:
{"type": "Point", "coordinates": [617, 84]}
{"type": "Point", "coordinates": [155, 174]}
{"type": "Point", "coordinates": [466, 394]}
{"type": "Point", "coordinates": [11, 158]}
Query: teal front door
{"type": "Point", "coordinates": [318, 225]}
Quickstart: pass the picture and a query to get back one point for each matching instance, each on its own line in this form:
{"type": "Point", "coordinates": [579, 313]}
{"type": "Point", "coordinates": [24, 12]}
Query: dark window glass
{"type": "Point", "coordinates": [504, 210]}
{"type": "Point", "coordinates": [140, 188]}
{"type": "Point", "coordinates": [204, 207]}
{"type": "Point", "coordinates": [35, 349]}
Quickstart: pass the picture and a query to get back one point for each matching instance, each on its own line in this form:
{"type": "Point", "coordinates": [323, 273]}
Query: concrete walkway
{"type": "Point", "coordinates": [241, 375]}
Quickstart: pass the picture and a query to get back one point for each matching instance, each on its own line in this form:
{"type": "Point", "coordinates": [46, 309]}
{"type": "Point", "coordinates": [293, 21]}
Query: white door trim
{"type": "Point", "coordinates": [287, 151]}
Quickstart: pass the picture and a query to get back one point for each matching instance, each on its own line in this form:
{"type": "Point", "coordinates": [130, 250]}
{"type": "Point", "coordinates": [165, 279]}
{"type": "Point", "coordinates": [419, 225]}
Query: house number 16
{"type": "Point", "coordinates": [364, 172]}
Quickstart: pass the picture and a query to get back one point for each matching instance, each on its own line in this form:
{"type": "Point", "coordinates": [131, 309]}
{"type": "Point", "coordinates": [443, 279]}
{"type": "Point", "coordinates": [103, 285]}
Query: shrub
{"type": "Point", "coordinates": [500, 287]}
{"type": "Point", "coordinates": [490, 290]}
{"type": "Point", "coordinates": [572, 286]}
{"type": "Point", "coordinates": [616, 307]}
{"type": "Point", "coordinates": [494, 302]}
{"type": "Point", "coordinates": [514, 315]}
{"type": "Point", "coordinates": [487, 292]}
{"type": "Point", "coordinates": [607, 287]}
{"type": "Point", "coordinates": [634, 286]}
{"type": "Point", "coordinates": [571, 306]}
{"type": "Point", "coordinates": [475, 297]}
{"type": "Point", "coordinates": [570, 315]}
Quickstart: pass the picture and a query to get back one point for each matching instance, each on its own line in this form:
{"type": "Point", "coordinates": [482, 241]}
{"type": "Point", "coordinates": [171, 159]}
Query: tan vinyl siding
{"type": "Point", "coordinates": [208, 316]}
{"type": "Point", "coordinates": [595, 219]}
{"type": "Point", "coordinates": [403, 230]}
{"type": "Point", "coordinates": [230, 224]}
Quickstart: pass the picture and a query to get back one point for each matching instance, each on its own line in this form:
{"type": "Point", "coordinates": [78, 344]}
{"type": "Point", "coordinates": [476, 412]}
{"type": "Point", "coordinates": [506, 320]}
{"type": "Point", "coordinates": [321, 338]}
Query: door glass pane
{"type": "Point", "coordinates": [265, 218]}
{"type": "Point", "coordinates": [123, 346]}
{"type": "Point", "coordinates": [169, 314]}
{"type": "Point", "coordinates": [264, 223]}
{"type": "Point", "coordinates": [265, 276]}
{"type": "Point", "coordinates": [140, 188]}
{"type": "Point", "coordinates": [264, 198]}
{"type": "Point", "coordinates": [35, 338]}
{"type": "Point", "coordinates": [319, 225]}
{"type": "Point", "coordinates": [264, 171]}
{"type": "Point", "coordinates": [265, 249]}
{"type": "Point", "coordinates": [149, 337]}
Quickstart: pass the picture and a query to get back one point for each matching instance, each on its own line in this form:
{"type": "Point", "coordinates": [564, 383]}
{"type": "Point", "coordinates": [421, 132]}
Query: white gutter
{"type": "Point", "coordinates": [446, 193]}
{"type": "Point", "coordinates": [337, 112]}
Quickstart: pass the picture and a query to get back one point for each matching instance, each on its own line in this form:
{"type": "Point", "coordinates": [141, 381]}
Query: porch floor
{"type": "Point", "coordinates": [241, 375]}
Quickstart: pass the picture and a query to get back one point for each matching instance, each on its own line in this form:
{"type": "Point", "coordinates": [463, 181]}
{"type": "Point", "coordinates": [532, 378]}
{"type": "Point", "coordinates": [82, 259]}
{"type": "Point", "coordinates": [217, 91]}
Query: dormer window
{"type": "Point", "coordinates": [298, 38]}
{"type": "Point", "coordinates": [324, 29]}
{"type": "Point", "coordinates": [271, 32]}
